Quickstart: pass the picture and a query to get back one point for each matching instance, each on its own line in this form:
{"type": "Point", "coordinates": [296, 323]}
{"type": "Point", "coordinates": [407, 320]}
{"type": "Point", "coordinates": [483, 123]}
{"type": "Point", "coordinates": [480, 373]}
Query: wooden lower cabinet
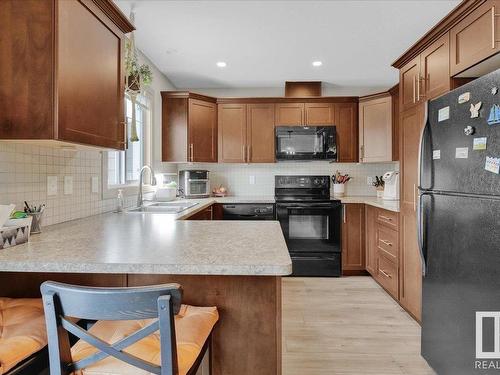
{"type": "Point", "coordinates": [353, 238]}
{"type": "Point", "coordinates": [382, 248]}
{"type": "Point", "coordinates": [205, 214]}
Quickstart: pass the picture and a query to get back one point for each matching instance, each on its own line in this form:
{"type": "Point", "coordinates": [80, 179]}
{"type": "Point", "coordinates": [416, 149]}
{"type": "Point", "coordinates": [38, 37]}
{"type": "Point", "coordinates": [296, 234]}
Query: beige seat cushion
{"type": "Point", "coordinates": [192, 328]}
{"type": "Point", "coordinates": [22, 330]}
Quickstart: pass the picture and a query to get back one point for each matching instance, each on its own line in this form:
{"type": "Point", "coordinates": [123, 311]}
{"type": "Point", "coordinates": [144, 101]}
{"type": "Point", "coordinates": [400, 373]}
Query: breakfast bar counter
{"type": "Point", "coordinates": [234, 265]}
{"type": "Point", "coordinates": [153, 244]}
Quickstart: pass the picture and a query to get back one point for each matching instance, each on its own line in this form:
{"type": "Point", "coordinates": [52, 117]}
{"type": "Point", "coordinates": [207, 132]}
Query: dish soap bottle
{"type": "Point", "coordinates": [120, 201]}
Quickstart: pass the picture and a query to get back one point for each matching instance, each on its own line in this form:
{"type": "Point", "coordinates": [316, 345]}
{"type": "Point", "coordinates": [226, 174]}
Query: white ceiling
{"type": "Point", "coordinates": [268, 42]}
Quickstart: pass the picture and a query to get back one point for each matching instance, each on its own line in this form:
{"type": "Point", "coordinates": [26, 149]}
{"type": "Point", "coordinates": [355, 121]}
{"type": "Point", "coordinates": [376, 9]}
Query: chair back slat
{"type": "Point", "coordinates": [96, 303]}
{"type": "Point", "coordinates": [149, 302]}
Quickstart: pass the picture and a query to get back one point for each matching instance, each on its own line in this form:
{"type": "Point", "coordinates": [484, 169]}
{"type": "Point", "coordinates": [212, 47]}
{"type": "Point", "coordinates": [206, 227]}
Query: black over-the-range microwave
{"type": "Point", "coordinates": [306, 143]}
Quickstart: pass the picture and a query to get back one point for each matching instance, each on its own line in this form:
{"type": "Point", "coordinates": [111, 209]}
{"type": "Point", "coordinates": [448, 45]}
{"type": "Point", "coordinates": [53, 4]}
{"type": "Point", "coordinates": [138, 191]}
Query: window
{"type": "Point", "coordinates": [123, 167]}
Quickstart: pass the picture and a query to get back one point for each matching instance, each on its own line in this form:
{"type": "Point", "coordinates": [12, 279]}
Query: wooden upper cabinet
{"type": "Point", "coordinates": [260, 133]}
{"type": "Point", "coordinates": [409, 84]}
{"type": "Point", "coordinates": [202, 131]}
{"type": "Point", "coordinates": [435, 66]}
{"type": "Point", "coordinates": [346, 122]}
{"type": "Point", "coordinates": [375, 129]}
{"type": "Point", "coordinates": [62, 72]}
{"type": "Point", "coordinates": [189, 127]}
{"type": "Point", "coordinates": [289, 114]}
{"type": "Point", "coordinates": [394, 91]}
{"type": "Point", "coordinates": [476, 37]}
{"type": "Point", "coordinates": [90, 110]}
{"type": "Point", "coordinates": [232, 124]}
{"type": "Point", "coordinates": [353, 237]}
{"type": "Point", "coordinates": [319, 114]}
{"type": "Point", "coordinates": [246, 133]}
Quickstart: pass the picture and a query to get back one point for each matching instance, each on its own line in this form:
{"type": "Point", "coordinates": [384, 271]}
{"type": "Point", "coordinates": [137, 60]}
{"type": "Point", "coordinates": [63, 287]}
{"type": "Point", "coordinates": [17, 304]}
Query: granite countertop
{"type": "Point", "coordinates": [372, 201]}
{"type": "Point", "coordinates": [153, 244]}
{"type": "Point", "coordinates": [203, 203]}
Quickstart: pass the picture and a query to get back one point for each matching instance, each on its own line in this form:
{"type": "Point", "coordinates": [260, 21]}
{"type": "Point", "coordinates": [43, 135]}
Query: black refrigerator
{"type": "Point", "coordinates": [458, 217]}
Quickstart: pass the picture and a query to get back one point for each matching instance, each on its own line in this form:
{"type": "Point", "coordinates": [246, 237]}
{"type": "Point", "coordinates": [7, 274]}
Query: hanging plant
{"type": "Point", "coordinates": [138, 76]}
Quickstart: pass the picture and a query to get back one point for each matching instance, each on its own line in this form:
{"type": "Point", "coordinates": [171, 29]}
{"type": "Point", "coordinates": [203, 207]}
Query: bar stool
{"type": "Point", "coordinates": [139, 330]}
{"type": "Point", "coordinates": [23, 338]}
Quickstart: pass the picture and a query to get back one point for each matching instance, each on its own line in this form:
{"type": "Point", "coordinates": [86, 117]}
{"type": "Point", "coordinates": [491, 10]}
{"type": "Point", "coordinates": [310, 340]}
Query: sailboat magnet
{"type": "Point", "coordinates": [494, 117]}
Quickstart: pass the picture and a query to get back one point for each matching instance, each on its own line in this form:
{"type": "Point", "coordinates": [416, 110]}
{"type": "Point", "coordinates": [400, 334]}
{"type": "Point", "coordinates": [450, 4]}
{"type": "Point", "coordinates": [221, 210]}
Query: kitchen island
{"type": "Point", "coordinates": [236, 266]}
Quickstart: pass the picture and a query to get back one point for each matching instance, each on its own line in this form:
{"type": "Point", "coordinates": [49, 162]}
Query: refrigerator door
{"type": "Point", "coordinates": [462, 243]}
{"type": "Point", "coordinates": [449, 161]}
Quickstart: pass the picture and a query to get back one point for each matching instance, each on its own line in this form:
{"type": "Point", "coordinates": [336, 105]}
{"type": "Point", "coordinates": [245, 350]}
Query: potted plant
{"type": "Point", "coordinates": [138, 76]}
{"type": "Point", "coordinates": [379, 186]}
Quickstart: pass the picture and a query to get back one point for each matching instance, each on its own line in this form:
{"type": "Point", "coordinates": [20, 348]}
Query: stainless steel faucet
{"type": "Point", "coordinates": [141, 176]}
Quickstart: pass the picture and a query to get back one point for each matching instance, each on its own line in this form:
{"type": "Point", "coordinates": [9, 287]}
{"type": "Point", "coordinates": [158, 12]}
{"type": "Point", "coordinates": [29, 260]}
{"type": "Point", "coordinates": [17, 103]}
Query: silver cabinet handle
{"type": "Point", "coordinates": [249, 155]}
{"type": "Point", "coordinates": [343, 214]}
{"type": "Point", "coordinates": [191, 152]}
{"type": "Point", "coordinates": [385, 274]}
{"type": "Point", "coordinates": [385, 218]}
{"type": "Point", "coordinates": [386, 242]}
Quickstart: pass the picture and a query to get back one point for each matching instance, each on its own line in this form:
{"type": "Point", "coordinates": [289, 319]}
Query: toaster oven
{"type": "Point", "coordinates": [194, 183]}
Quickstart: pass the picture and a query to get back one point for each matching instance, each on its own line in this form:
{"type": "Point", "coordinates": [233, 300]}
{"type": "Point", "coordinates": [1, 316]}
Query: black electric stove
{"type": "Point", "coordinates": [311, 222]}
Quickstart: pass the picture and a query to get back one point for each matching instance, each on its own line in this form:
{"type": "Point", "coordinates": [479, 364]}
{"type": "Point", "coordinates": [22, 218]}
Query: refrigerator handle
{"type": "Point", "coordinates": [421, 145]}
{"type": "Point", "coordinates": [421, 233]}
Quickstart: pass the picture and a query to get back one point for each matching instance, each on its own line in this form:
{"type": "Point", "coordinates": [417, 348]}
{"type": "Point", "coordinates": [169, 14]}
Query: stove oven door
{"type": "Point", "coordinates": [312, 234]}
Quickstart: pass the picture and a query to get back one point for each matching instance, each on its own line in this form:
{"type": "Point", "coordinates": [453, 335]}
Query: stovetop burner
{"type": "Point", "coordinates": [302, 188]}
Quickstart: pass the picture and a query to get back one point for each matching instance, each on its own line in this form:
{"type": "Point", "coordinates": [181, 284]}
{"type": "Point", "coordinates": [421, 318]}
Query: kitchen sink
{"type": "Point", "coordinates": [164, 207]}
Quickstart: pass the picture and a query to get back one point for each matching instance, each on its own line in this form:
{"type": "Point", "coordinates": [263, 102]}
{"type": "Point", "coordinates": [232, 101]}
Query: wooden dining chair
{"type": "Point", "coordinates": [125, 319]}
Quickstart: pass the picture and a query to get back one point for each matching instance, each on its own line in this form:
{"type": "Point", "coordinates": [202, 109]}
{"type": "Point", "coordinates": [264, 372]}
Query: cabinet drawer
{"type": "Point", "coordinates": [387, 275]}
{"type": "Point", "coordinates": [387, 242]}
{"type": "Point", "coordinates": [388, 218]}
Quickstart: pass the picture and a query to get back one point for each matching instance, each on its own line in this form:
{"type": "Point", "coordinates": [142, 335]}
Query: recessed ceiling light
{"type": "Point", "coordinates": [317, 63]}
{"type": "Point", "coordinates": [221, 64]}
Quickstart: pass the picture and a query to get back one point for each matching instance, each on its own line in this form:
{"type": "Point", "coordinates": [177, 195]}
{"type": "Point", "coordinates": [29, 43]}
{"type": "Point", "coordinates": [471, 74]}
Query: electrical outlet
{"type": "Point", "coordinates": [51, 185]}
{"type": "Point", "coordinates": [95, 184]}
{"type": "Point", "coordinates": [68, 185]}
{"type": "Point", "coordinates": [252, 180]}
{"type": "Point", "coordinates": [369, 180]}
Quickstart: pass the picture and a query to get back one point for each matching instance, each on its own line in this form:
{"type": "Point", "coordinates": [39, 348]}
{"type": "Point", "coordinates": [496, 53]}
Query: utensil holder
{"type": "Point", "coordinates": [36, 223]}
{"type": "Point", "coordinates": [339, 190]}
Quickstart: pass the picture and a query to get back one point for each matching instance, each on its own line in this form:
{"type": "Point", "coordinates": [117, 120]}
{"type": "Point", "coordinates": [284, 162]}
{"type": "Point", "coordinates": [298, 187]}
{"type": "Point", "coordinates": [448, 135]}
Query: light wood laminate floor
{"type": "Point", "coordinates": [349, 325]}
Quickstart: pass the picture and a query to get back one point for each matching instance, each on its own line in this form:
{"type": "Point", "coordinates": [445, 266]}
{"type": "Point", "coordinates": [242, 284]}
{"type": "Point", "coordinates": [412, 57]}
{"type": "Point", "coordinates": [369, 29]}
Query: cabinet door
{"type": "Point", "coordinates": [395, 124]}
{"type": "Point", "coordinates": [319, 114]}
{"type": "Point", "coordinates": [205, 214]}
{"type": "Point", "coordinates": [90, 77]}
{"type": "Point", "coordinates": [202, 130]}
{"type": "Point", "coordinates": [371, 240]}
{"type": "Point", "coordinates": [409, 84]}
{"type": "Point", "coordinates": [435, 65]}
{"type": "Point", "coordinates": [410, 266]}
{"type": "Point", "coordinates": [475, 38]}
{"type": "Point", "coordinates": [260, 133]}
{"type": "Point", "coordinates": [353, 237]}
{"type": "Point", "coordinates": [375, 130]}
{"type": "Point", "coordinates": [346, 123]}
{"type": "Point", "coordinates": [290, 114]}
{"type": "Point", "coordinates": [232, 128]}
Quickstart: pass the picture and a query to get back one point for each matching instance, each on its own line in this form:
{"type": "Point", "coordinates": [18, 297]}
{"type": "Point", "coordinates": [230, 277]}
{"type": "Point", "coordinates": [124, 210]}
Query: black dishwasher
{"type": "Point", "coordinates": [248, 211]}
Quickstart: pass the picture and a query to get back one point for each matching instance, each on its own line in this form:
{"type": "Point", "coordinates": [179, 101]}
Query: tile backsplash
{"type": "Point", "coordinates": [24, 169]}
{"type": "Point", "coordinates": [237, 177]}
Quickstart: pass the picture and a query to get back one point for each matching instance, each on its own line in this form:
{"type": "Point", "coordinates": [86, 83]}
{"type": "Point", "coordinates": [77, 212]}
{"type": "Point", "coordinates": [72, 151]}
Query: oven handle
{"type": "Point", "coordinates": [307, 206]}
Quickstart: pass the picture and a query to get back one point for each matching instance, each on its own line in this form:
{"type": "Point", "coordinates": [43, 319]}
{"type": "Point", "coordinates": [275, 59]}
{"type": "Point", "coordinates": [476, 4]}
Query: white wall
{"type": "Point", "coordinates": [160, 83]}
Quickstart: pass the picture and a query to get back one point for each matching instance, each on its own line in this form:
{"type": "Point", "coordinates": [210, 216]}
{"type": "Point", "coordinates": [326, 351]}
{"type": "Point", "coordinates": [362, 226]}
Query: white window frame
{"type": "Point", "coordinates": [111, 191]}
